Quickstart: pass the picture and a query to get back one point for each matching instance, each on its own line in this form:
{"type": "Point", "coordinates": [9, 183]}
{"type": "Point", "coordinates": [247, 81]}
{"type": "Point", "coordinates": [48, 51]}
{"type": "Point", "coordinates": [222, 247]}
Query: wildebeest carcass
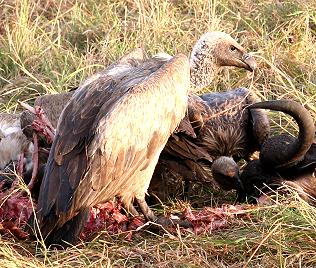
{"type": "Point", "coordinates": [284, 160]}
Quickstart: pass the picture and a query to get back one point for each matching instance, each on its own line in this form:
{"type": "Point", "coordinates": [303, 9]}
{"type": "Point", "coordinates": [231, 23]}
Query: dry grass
{"type": "Point", "coordinates": [281, 235]}
{"type": "Point", "coordinates": [49, 46]}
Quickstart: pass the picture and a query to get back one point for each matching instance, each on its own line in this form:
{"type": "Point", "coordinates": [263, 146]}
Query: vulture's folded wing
{"type": "Point", "coordinates": [111, 130]}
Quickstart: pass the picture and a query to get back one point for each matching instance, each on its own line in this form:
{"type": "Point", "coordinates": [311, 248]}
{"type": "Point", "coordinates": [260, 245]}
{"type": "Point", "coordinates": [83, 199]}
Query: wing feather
{"type": "Point", "coordinates": [114, 128]}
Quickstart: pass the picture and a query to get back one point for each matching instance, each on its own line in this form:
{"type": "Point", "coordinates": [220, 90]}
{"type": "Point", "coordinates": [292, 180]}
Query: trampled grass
{"type": "Point", "coordinates": [50, 46]}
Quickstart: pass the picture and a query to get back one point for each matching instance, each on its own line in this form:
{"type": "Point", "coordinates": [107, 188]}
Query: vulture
{"type": "Point", "coordinates": [12, 140]}
{"type": "Point", "coordinates": [217, 132]}
{"type": "Point", "coordinates": [284, 159]}
{"type": "Point", "coordinates": [16, 137]}
{"type": "Point", "coordinates": [17, 151]}
{"type": "Point", "coordinates": [16, 132]}
{"type": "Point", "coordinates": [112, 131]}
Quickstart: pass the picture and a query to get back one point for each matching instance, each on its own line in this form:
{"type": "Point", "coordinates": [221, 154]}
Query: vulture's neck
{"type": "Point", "coordinates": [202, 70]}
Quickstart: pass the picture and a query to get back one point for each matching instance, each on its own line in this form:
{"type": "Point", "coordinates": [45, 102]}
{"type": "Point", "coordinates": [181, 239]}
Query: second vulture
{"type": "Point", "coordinates": [217, 132]}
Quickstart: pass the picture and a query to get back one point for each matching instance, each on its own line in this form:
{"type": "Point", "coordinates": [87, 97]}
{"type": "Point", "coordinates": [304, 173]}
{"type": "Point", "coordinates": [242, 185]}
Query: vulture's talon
{"type": "Point", "coordinates": [132, 210]}
{"type": "Point", "coordinates": [145, 209]}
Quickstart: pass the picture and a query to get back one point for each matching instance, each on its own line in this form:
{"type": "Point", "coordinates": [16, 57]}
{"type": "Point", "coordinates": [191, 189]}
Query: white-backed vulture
{"type": "Point", "coordinates": [111, 132]}
{"type": "Point", "coordinates": [108, 141]}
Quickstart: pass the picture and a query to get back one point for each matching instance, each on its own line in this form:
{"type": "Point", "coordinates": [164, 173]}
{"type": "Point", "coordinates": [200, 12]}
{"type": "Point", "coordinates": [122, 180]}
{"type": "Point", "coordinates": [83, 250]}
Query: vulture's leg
{"type": "Point", "coordinates": [131, 209]}
{"type": "Point", "coordinates": [20, 164]}
{"type": "Point", "coordinates": [35, 162]}
{"type": "Point", "coordinates": [148, 213]}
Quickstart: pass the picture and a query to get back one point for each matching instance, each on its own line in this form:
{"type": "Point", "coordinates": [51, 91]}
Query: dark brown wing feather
{"type": "Point", "coordinates": [230, 130]}
{"type": "Point", "coordinates": [53, 104]}
{"type": "Point", "coordinates": [216, 124]}
{"type": "Point", "coordinates": [186, 127]}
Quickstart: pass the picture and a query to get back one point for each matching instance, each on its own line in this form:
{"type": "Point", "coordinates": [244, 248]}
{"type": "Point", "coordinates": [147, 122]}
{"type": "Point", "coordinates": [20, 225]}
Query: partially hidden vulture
{"type": "Point", "coordinates": [217, 132]}
{"type": "Point", "coordinates": [14, 136]}
{"type": "Point", "coordinates": [111, 132]}
{"type": "Point", "coordinates": [12, 140]}
{"type": "Point", "coordinates": [284, 160]}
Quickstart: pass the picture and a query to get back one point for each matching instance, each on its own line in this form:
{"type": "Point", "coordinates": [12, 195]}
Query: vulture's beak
{"type": "Point", "coordinates": [249, 62]}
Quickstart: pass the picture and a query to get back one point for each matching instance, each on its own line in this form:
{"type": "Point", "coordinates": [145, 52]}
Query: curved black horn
{"type": "Point", "coordinates": [282, 150]}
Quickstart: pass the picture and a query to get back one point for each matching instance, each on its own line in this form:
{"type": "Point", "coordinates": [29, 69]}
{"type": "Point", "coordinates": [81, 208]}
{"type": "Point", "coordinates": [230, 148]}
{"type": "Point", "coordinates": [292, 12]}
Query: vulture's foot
{"type": "Point", "coordinates": [163, 221]}
{"type": "Point", "coordinates": [147, 212]}
{"type": "Point", "coordinates": [132, 210]}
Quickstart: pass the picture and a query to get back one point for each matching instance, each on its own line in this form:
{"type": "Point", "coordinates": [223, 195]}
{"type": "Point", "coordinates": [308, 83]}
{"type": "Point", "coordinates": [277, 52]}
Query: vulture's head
{"type": "Point", "coordinates": [222, 50]}
{"type": "Point", "coordinates": [225, 172]}
{"type": "Point", "coordinates": [214, 50]}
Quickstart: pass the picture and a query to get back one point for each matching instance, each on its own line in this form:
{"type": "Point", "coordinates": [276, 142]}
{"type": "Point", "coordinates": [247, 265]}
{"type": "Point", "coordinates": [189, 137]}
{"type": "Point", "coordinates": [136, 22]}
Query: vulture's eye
{"type": "Point", "coordinates": [233, 48]}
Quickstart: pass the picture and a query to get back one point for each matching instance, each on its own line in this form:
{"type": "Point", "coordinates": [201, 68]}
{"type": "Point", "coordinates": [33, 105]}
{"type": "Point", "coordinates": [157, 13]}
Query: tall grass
{"type": "Point", "coordinates": [49, 46]}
